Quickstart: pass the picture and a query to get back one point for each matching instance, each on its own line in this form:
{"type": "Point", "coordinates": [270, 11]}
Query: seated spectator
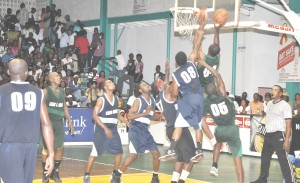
{"type": "Point", "coordinates": [7, 56]}
{"type": "Point", "coordinates": [35, 72]}
{"type": "Point", "coordinates": [120, 99]}
{"type": "Point", "coordinates": [101, 79]}
{"type": "Point", "coordinates": [68, 78]}
{"type": "Point", "coordinates": [67, 62]}
{"type": "Point", "coordinates": [236, 105]}
{"type": "Point", "coordinates": [12, 34]}
{"type": "Point", "coordinates": [244, 108]}
{"type": "Point", "coordinates": [92, 93]}
{"type": "Point", "coordinates": [157, 74]}
{"type": "Point", "coordinates": [256, 107]}
{"type": "Point", "coordinates": [15, 47]}
{"type": "Point", "coordinates": [29, 42]}
{"type": "Point", "coordinates": [70, 102]}
{"type": "Point", "coordinates": [63, 85]}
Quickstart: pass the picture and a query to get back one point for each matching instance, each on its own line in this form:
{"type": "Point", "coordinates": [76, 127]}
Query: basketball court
{"type": "Point", "coordinates": [75, 158]}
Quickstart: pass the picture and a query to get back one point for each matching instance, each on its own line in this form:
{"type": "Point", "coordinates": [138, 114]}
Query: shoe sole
{"type": "Point", "coordinates": [213, 174]}
{"type": "Point", "coordinates": [168, 157]}
{"type": "Point", "coordinates": [197, 158]}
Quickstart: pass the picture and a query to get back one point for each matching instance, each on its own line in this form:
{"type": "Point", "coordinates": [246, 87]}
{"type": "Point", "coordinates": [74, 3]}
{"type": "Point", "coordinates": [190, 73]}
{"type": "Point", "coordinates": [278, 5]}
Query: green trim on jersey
{"type": "Point", "coordinates": [55, 104]}
{"type": "Point", "coordinates": [221, 109]}
{"type": "Point", "coordinates": [205, 75]}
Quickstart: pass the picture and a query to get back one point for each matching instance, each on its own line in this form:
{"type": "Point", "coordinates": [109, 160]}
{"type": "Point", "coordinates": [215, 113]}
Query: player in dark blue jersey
{"type": "Point", "coordinates": [22, 110]}
{"type": "Point", "coordinates": [106, 136]}
{"type": "Point", "coordinates": [191, 104]}
{"type": "Point", "coordinates": [185, 148]}
{"type": "Point", "coordinates": [140, 139]}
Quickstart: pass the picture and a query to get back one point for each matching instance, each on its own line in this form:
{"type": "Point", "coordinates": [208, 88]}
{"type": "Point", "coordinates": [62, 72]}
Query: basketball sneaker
{"type": "Point", "coordinates": [115, 179]}
{"type": "Point", "coordinates": [155, 179]}
{"type": "Point", "coordinates": [198, 156]}
{"type": "Point", "coordinates": [45, 179]}
{"type": "Point", "coordinates": [170, 155]}
{"type": "Point", "coordinates": [55, 176]}
{"type": "Point", "coordinates": [181, 181]}
{"type": "Point", "coordinates": [259, 180]}
{"type": "Point", "coordinates": [86, 179]}
{"type": "Point", "coordinates": [214, 171]}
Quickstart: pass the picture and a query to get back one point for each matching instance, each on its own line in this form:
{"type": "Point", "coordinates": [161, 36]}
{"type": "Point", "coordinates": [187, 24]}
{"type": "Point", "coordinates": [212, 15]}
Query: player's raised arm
{"type": "Point", "coordinates": [216, 34]}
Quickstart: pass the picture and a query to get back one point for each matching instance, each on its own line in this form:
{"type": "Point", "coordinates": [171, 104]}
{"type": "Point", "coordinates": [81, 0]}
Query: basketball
{"type": "Point", "coordinates": [220, 16]}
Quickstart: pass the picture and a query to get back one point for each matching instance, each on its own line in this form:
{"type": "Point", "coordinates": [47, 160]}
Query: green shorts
{"type": "Point", "coordinates": [231, 135]}
{"type": "Point", "coordinates": [59, 135]}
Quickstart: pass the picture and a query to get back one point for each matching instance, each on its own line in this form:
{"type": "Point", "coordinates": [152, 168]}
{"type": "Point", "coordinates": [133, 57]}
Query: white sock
{"type": "Point", "coordinates": [184, 175]}
{"type": "Point", "coordinates": [120, 171]}
{"type": "Point", "coordinates": [175, 176]}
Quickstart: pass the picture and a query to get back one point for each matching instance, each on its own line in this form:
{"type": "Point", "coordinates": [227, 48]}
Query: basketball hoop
{"type": "Point", "coordinates": [186, 18]}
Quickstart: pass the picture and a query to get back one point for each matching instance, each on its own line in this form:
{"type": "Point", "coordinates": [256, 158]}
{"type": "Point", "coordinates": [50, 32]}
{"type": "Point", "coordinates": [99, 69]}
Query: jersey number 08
{"type": "Point", "coordinates": [188, 75]}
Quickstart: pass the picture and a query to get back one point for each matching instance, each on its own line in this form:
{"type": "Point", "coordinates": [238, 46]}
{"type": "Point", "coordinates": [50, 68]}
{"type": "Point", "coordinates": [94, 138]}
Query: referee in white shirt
{"type": "Point", "coordinates": [278, 132]}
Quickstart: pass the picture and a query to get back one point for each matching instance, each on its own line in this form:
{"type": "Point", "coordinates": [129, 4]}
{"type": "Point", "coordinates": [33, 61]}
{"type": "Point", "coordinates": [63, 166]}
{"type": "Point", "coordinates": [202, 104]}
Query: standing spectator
{"type": "Point", "coordinates": [120, 99]}
{"type": "Point", "coordinates": [77, 27]}
{"type": "Point", "coordinates": [42, 19]}
{"type": "Point", "coordinates": [24, 15]}
{"type": "Point", "coordinates": [47, 22]}
{"type": "Point", "coordinates": [72, 36]}
{"type": "Point", "coordinates": [139, 67]}
{"type": "Point", "coordinates": [278, 132]}
{"type": "Point", "coordinates": [52, 23]}
{"type": "Point", "coordinates": [268, 97]}
{"type": "Point", "coordinates": [257, 108]}
{"type": "Point", "coordinates": [244, 96]}
{"type": "Point", "coordinates": [64, 43]}
{"type": "Point", "coordinates": [32, 17]}
{"type": "Point", "coordinates": [38, 34]}
{"type": "Point", "coordinates": [101, 79]}
{"type": "Point", "coordinates": [130, 68]}
{"type": "Point", "coordinates": [99, 48]}
{"type": "Point", "coordinates": [36, 73]}
{"type": "Point", "coordinates": [157, 74]}
{"type": "Point", "coordinates": [68, 22]}
{"type": "Point", "coordinates": [8, 17]}
{"type": "Point", "coordinates": [82, 44]}
{"type": "Point", "coordinates": [60, 18]}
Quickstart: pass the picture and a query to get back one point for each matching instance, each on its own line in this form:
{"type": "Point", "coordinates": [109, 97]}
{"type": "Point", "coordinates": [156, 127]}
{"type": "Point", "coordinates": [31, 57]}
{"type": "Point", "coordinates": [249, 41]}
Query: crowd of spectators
{"type": "Point", "coordinates": [54, 43]}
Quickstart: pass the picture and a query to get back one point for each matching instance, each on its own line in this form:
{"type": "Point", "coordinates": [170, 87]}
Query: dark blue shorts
{"type": "Point", "coordinates": [191, 108]}
{"type": "Point", "coordinates": [102, 143]}
{"type": "Point", "coordinates": [17, 162]}
{"type": "Point", "coordinates": [140, 139]}
{"type": "Point", "coordinates": [185, 148]}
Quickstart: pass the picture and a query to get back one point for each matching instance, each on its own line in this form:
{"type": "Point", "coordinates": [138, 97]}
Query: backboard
{"type": "Point", "coordinates": [185, 17]}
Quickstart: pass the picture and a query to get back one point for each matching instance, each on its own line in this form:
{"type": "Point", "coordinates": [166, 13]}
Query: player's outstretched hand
{"type": "Point", "coordinates": [49, 165]}
{"type": "Point", "coordinates": [108, 133]}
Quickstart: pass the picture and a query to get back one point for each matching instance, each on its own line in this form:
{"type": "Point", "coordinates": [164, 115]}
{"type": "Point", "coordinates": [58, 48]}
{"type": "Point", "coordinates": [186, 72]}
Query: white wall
{"type": "Point", "coordinates": [78, 9]}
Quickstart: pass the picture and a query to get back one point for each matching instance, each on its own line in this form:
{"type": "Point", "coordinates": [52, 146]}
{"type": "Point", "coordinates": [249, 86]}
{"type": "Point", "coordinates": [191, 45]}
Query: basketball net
{"type": "Point", "coordinates": [186, 18]}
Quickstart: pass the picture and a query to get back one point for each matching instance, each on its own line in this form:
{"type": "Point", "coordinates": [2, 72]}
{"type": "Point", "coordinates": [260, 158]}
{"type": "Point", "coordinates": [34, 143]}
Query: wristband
{"type": "Point", "coordinates": [151, 113]}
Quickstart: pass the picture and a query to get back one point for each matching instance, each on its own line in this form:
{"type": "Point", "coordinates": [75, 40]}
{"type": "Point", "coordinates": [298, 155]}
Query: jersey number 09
{"type": "Point", "coordinates": [17, 102]}
{"type": "Point", "coordinates": [188, 75]}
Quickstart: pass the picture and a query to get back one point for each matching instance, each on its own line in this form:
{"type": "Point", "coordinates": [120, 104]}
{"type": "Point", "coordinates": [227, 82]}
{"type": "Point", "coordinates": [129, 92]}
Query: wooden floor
{"type": "Point", "coordinates": [74, 161]}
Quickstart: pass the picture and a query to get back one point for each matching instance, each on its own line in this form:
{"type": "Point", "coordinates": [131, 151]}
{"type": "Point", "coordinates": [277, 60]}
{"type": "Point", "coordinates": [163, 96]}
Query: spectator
{"type": "Point", "coordinates": [12, 34]}
{"type": "Point", "coordinates": [132, 98]}
{"type": "Point", "coordinates": [99, 48]}
{"type": "Point", "coordinates": [82, 44]}
{"type": "Point", "coordinates": [157, 74]}
{"type": "Point", "coordinates": [244, 96]}
{"type": "Point", "coordinates": [35, 72]}
{"type": "Point", "coordinates": [8, 17]}
{"type": "Point", "coordinates": [130, 68]}
{"type": "Point", "coordinates": [268, 98]}
{"type": "Point", "coordinates": [101, 79]}
{"type": "Point", "coordinates": [67, 62]}
{"type": "Point", "coordinates": [236, 105]}
{"type": "Point", "coordinates": [15, 47]}
{"type": "Point", "coordinates": [68, 22]}
{"type": "Point", "coordinates": [139, 69]}
{"type": "Point", "coordinates": [120, 61]}
{"type": "Point", "coordinates": [47, 22]}
{"type": "Point", "coordinates": [24, 15]}
{"type": "Point", "coordinates": [244, 108]}
{"type": "Point", "coordinates": [32, 17]}
{"type": "Point", "coordinates": [77, 27]}
{"type": "Point", "coordinates": [70, 102]}
{"type": "Point", "coordinates": [64, 43]}
{"type": "Point", "coordinates": [257, 108]}
{"type": "Point", "coordinates": [60, 18]}
{"type": "Point", "coordinates": [38, 34]}
{"type": "Point", "coordinates": [4, 78]}
{"type": "Point", "coordinates": [7, 56]}
{"type": "Point", "coordinates": [72, 36]}
{"type": "Point", "coordinates": [52, 23]}
{"type": "Point", "coordinates": [92, 93]}
{"type": "Point", "coordinates": [120, 99]}
{"type": "Point", "coordinates": [29, 42]}
{"type": "Point", "coordinates": [42, 20]}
